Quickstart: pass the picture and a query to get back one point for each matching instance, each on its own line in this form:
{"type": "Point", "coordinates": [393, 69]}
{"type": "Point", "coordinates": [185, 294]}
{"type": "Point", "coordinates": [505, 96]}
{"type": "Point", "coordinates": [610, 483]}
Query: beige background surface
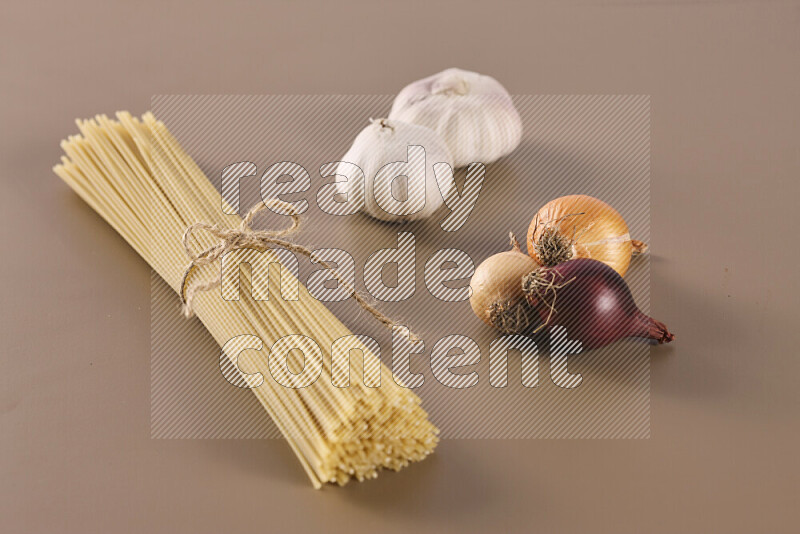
{"type": "Point", "coordinates": [75, 453]}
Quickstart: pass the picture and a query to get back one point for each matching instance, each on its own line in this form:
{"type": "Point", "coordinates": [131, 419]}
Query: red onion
{"type": "Point", "coordinates": [591, 301]}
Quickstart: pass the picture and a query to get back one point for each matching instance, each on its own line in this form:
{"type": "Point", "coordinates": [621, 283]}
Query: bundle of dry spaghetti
{"type": "Point", "coordinates": [136, 176]}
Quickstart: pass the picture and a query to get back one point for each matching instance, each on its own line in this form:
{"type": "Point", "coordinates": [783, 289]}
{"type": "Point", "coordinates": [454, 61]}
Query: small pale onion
{"type": "Point", "coordinates": [497, 296]}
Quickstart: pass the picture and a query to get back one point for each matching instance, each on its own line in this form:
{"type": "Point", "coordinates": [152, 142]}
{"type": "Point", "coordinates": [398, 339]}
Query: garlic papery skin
{"type": "Point", "coordinates": [397, 159]}
{"type": "Point", "coordinates": [472, 112]}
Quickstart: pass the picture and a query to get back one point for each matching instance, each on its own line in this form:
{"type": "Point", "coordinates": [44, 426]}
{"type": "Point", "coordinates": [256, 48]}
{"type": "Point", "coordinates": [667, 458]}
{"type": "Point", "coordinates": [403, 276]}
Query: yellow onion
{"type": "Point", "coordinates": [497, 297]}
{"type": "Point", "coordinates": [580, 226]}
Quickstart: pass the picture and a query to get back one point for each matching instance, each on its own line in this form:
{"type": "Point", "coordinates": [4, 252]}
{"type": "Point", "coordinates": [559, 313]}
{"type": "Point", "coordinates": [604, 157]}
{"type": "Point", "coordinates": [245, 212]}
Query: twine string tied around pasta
{"type": "Point", "coordinates": [246, 237]}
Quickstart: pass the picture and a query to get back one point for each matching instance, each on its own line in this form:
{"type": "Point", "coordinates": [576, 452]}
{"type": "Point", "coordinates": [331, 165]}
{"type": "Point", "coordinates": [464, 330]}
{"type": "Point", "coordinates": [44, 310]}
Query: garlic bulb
{"type": "Point", "coordinates": [472, 112]}
{"type": "Point", "coordinates": [399, 181]}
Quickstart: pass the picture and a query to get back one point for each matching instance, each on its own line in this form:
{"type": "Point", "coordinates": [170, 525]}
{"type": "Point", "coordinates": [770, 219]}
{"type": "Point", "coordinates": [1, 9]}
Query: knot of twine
{"type": "Point", "coordinates": [246, 237]}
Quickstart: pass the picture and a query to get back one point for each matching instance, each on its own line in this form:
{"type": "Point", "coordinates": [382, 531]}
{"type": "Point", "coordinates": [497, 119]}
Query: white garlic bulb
{"type": "Point", "coordinates": [399, 182]}
{"type": "Point", "coordinates": [472, 112]}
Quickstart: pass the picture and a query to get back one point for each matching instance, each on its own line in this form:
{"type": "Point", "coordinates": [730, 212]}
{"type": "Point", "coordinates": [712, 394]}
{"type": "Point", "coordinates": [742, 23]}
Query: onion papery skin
{"type": "Point", "coordinates": [596, 230]}
{"type": "Point", "coordinates": [592, 302]}
{"type": "Point", "coordinates": [497, 282]}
